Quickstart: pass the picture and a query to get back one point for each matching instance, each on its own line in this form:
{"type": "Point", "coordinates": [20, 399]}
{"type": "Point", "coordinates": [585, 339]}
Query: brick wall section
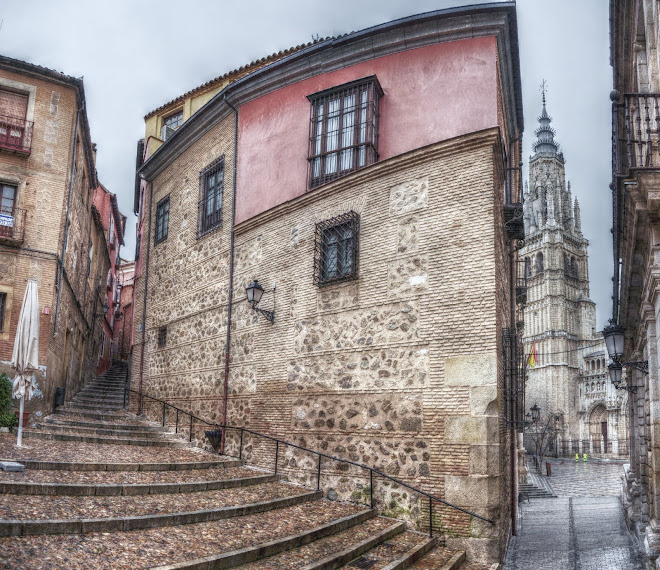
{"type": "Point", "coordinates": [67, 358]}
{"type": "Point", "coordinates": [400, 369]}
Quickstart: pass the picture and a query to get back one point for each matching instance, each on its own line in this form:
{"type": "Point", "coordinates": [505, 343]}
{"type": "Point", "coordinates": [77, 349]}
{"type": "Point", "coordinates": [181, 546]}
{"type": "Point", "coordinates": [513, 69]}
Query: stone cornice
{"type": "Point", "coordinates": [497, 19]}
{"type": "Point", "coordinates": [487, 138]}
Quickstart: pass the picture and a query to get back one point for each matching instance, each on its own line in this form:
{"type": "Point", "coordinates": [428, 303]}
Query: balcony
{"type": "Point", "coordinates": [636, 133]}
{"type": "Point", "coordinates": [12, 226]}
{"type": "Point", "coordinates": [521, 282]}
{"type": "Point", "coordinates": [513, 221]}
{"type": "Point", "coordinates": [15, 135]}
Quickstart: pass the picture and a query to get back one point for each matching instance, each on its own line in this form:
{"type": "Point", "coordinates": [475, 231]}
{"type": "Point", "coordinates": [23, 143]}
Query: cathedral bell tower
{"type": "Point", "coordinates": [560, 318]}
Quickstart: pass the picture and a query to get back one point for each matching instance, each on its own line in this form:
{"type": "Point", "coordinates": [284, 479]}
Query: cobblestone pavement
{"type": "Point", "coordinates": [582, 529]}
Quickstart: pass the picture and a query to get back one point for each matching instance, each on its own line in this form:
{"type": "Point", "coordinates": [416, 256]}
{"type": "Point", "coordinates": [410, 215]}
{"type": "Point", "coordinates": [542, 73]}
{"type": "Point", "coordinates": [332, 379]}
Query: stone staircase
{"type": "Point", "coordinates": [537, 487]}
{"type": "Point", "coordinates": [111, 490]}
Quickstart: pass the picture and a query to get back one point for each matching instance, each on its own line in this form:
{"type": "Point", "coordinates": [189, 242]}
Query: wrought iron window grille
{"type": "Point", "coordinates": [162, 219]}
{"type": "Point", "coordinates": [343, 130]}
{"type": "Point", "coordinates": [514, 379]}
{"type": "Point", "coordinates": [162, 336]}
{"type": "Point", "coordinates": [336, 249]}
{"type": "Point", "coordinates": [3, 303]}
{"type": "Point", "coordinates": [210, 192]}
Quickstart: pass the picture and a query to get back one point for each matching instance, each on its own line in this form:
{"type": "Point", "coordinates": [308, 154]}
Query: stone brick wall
{"type": "Point", "coordinates": [400, 369]}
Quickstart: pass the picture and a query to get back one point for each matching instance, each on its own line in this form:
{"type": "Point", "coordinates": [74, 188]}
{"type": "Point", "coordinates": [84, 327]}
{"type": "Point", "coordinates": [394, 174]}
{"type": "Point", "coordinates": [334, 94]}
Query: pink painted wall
{"type": "Point", "coordinates": [430, 94]}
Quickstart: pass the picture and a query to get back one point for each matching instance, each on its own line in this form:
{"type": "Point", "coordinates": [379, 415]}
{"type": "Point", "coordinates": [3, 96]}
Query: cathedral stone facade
{"type": "Point", "coordinates": [569, 380]}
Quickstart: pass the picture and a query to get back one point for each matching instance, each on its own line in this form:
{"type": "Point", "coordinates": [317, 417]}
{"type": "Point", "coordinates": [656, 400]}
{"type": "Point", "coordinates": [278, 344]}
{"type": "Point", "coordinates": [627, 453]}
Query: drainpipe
{"type": "Point", "coordinates": [231, 276]}
{"type": "Point", "coordinates": [146, 289]}
{"type": "Point", "coordinates": [66, 224]}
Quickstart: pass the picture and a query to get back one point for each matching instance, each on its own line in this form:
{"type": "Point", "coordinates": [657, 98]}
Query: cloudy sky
{"type": "Point", "coordinates": [135, 55]}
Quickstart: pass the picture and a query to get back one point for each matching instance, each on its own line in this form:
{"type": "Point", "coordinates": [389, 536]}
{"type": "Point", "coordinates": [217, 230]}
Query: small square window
{"type": "Point", "coordinates": [210, 205]}
{"type": "Point", "coordinates": [343, 131]}
{"type": "Point", "coordinates": [162, 336]}
{"type": "Point", "coordinates": [336, 249]}
{"type": "Point", "coordinates": [162, 219]}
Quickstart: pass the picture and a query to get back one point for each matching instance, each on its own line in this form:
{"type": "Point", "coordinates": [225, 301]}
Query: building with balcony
{"type": "Point", "coordinates": [363, 180]}
{"type": "Point", "coordinates": [47, 225]}
{"type": "Point", "coordinates": [113, 222]}
{"type": "Point", "coordinates": [635, 29]}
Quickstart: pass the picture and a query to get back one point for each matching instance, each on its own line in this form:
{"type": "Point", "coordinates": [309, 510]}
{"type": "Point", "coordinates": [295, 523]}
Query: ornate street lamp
{"type": "Point", "coordinates": [536, 413]}
{"type": "Point", "coordinates": [254, 292]}
{"type": "Point", "coordinates": [614, 340]}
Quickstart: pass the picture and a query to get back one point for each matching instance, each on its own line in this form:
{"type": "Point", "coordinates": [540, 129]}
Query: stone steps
{"type": "Point", "coordinates": [169, 514]}
{"type": "Point", "coordinates": [105, 430]}
{"type": "Point", "coordinates": [101, 485]}
{"type": "Point", "coordinates": [51, 420]}
{"type": "Point", "coordinates": [118, 440]}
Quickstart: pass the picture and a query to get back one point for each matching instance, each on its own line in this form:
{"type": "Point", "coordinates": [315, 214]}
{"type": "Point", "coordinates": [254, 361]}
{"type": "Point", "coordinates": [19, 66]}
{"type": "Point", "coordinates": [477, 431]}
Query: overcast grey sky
{"type": "Point", "coordinates": [136, 55]}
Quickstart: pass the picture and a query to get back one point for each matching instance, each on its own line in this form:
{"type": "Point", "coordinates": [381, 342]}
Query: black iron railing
{"type": "Point", "coordinates": [186, 420]}
{"type": "Point", "coordinates": [636, 133]}
{"type": "Point", "coordinates": [12, 225]}
{"type": "Point", "coordinates": [15, 135]}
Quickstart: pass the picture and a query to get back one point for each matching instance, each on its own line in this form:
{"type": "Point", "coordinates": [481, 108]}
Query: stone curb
{"type": "Point", "coordinates": [251, 554]}
{"type": "Point", "coordinates": [84, 526]}
{"type": "Point", "coordinates": [342, 557]}
{"type": "Point", "coordinates": [80, 466]}
{"type": "Point", "coordinates": [413, 555]}
{"type": "Point", "coordinates": [104, 440]}
{"type": "Point", "coordinates": [454, 563]}
{"type": "Point", "coordinates": [130, 489]}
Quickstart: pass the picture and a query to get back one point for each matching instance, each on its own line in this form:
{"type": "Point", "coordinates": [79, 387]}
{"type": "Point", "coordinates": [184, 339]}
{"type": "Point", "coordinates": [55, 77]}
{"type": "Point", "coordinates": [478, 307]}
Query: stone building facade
{"type": "Point", "coordinates": [47, 224]}
{"type": "Point", "coordinates": [634, 32]}
{"type": "Point", "coordinates": [124, 325]}
{"type": "Point", "coordinates": [569, 380]}
{"type": "Point", "coordinates": [378, 258]}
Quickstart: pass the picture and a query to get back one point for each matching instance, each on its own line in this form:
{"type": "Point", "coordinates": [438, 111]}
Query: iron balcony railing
{"type": "Point", "coordinates": [185, 420]}
{"type": "Point", "coordinates": [636, 133]}
{"type": "Point", "coordinates": [15, 135]}
{"type": "Point", "coordinates": [12, 225]}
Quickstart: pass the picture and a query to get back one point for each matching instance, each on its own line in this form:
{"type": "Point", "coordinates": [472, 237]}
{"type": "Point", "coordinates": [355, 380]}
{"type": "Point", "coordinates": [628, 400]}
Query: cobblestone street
{"type": "Point", "coordinates": [582, 528]}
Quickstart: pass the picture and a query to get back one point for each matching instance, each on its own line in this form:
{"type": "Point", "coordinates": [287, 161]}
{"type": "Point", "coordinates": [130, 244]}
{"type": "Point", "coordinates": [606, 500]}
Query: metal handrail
{"type": "Point", "coordinates": [320, 455]}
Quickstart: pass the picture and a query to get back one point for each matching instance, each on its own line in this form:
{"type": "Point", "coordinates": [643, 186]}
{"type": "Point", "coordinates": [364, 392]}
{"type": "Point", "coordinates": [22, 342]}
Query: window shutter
{"type": "Point", "coordinates": [13, 104]}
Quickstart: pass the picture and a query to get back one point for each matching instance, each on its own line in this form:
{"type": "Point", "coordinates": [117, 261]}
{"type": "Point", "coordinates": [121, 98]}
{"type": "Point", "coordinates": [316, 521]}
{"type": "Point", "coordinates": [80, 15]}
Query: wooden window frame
{"type": "Point", "coordinates": [343, 130]}
{"type": "Point", "coordinates": [162, 220]}
{"type": "Point", "coordinates": [207, 222]}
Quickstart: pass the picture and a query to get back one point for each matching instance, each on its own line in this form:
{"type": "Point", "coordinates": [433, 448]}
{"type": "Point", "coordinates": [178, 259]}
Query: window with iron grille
{"type": "Point", "coordinates": [162, 336]}
{"type": "Point", "coordinates": [336, 249]}
{"type": "Point", "coordinates": [162, 219]}
{"type": "Point", "coordinates": [343, 131]}
{"type": "Point", "coordinates": [210, 205]}
{"type": "Point", "coordinates": [3, 303]}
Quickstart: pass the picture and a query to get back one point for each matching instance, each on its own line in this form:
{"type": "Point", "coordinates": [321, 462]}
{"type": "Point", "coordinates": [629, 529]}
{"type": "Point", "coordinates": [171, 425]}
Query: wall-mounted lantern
{"type": "Point", "coordinates": [614, 341]}
{"type": "Point", "coordinates": [254, 292]}
{"type": "Point", "coordinates": [536, 413]}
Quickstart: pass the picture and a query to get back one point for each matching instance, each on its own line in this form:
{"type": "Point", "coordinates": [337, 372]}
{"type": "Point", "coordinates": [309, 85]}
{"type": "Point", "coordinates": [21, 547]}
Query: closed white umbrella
{"type": "Point", "coordinates": [25, 358]}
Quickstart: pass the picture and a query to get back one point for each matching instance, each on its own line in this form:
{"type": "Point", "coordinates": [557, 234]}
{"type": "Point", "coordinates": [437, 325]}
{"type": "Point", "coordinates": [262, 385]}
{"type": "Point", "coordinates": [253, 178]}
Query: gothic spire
{"type": "Point", "coordinates": [545, 134]}
{"type": "Point", "coordinates": [578, 222]}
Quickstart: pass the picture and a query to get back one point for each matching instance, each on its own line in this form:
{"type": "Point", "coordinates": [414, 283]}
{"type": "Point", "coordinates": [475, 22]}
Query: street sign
{"type": "Point", "coordinates": [6, 220]}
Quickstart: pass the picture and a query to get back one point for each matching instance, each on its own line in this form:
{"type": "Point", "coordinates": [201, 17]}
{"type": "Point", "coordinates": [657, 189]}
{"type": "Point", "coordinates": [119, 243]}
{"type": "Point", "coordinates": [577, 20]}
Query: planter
{"type": "Point", "coordinates": [26, 417]}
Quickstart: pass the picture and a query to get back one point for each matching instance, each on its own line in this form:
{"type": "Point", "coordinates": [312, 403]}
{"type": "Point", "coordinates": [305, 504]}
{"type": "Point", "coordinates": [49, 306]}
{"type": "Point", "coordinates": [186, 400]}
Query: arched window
{"type": "Point", "coordinates": [528, 268]}
{"type": "Point", "coordinates": [567, 265]}
{"type": "Point", "coordinates": [539, 263]}
{"type": "Point", "coordinates": [574, 268]}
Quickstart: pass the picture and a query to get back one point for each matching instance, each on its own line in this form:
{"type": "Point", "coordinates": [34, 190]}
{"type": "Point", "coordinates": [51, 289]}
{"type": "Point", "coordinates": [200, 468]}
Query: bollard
{"type": "Point", "coordinates": [548, 471]}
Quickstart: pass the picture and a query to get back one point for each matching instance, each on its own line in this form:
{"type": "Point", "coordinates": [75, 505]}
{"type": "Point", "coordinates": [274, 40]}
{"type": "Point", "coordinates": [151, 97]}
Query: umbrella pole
{"type": "Point", "coordinates": [19, 443]}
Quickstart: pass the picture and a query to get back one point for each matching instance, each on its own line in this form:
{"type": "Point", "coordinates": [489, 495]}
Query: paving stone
{"type": "Point", "coordinates": [581, 529]}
